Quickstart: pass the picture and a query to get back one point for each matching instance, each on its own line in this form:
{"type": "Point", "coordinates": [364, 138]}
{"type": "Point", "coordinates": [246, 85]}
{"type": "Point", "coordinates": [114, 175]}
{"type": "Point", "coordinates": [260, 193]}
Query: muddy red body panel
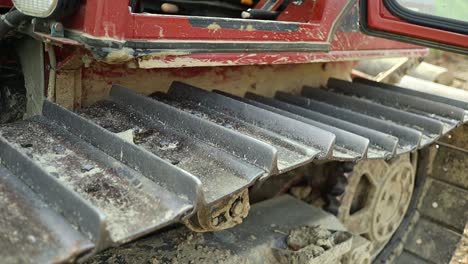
{"type": "Point", "coordinates": [312, 21]}
{"type": "Point", "coordinates": [315, 31]}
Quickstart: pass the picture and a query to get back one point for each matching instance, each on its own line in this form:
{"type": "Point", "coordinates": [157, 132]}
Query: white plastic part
{"type": "Point", "coordinates": [36, 8]}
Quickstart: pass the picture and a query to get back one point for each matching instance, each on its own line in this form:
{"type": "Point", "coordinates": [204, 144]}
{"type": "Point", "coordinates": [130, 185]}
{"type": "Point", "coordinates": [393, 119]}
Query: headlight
{"type": "Point", "coordinates": [45, 8]}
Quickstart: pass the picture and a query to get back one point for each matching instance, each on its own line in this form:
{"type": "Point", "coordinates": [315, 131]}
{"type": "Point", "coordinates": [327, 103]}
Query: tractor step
{"type": "Point", "coordinates": [131, 164]}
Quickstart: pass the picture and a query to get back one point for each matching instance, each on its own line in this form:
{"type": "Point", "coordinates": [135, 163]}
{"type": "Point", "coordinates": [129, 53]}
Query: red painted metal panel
{"type": "Point", "coordinates": [223, 59]}
{"type": "Point", "coordinates": [309, 11]}
{"type": "Point", "coordinates": [379, 18]}
{"type": "Point", "coordinates": [112, 18]}
{"type": "Point", "coordinates": [353, 41]}
{"type": "Point", "coordinates": [6, 3]}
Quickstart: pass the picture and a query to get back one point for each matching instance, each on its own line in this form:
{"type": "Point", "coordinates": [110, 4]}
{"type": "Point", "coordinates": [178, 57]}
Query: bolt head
{"type": "Point", "coordinates": [57, 26]}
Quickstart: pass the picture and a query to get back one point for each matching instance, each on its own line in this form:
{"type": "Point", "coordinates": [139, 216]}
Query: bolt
{"type": "Point", "coordinates": [419, 241]}
{"type": "Point", "coordinates": [58, 27]}
{"type": "Point", "coordinates": [384, 196]}
{"type": "Point", "coordinates": [380, 231]}
{"type": "Point", "coordinates": [435, 205]}
{"type": "Point", "coordinates": [377, 219]}
{"type": "Point", "coordinates": [401, 211]}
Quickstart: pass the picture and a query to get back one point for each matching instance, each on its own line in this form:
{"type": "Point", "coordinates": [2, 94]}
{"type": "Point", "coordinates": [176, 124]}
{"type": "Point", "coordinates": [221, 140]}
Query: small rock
{"type": "Point", "coordinates": [237, 208]}
{"type": "Point", "coordinates": [136, 182]}
{"type": "Point", "coordinates": [174, 162]}
{"type": "Point", "coordinates": [316, 250]}
{"type": "Point", "coordinates": [301, 192]}
{"type": "Point", "coordinates": [26, 145]}
{"type": "Point", "coordinates": [167, 145]}
{"type": "Point", "coordinates": [59, 149]}
{"type": "Point", "coordinates": [309, 235]}
{"type": "Point", "coordinates": [324, 243]}
{"type": "Point", "coordinates": [87, 168]}
{"type": "Point", "coordinates": [229, 126]}
{"type": "Point", "coordinates": [154, 260]}
{"type": "Point", "coordinates": [32, 239]}
{"type": "Point", "coordinates": [215, 221]}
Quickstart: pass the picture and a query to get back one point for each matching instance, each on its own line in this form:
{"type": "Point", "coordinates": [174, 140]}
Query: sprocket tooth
{"type": "Point", "coordinates": [333, 205]}
{"type": "Point", "coordinates": [348, 167]}
{"type": "Point", "coordinates": [340, 187]}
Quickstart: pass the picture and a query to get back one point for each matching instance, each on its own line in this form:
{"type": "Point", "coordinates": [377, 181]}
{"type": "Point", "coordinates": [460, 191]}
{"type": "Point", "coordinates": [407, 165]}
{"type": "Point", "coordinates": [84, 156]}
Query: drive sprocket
{"type": "Point", "coordinates": [371, 198]}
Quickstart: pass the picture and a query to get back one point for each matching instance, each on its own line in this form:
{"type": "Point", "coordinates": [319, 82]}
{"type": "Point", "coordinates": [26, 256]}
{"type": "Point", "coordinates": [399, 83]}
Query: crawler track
{"type": "Point", "coordinates": [130, 165]}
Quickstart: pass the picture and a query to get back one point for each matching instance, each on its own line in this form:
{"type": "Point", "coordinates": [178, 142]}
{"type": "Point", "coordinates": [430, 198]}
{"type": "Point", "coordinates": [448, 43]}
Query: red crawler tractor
{"type": "Point", "coordinates": [228, 131]}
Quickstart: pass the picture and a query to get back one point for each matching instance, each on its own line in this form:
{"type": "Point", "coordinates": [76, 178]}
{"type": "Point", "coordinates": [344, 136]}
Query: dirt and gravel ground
{"type": "Point", "coordinates": [457, 64]}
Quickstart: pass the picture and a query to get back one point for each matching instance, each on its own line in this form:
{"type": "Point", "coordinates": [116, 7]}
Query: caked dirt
{"type": "Point", "coordinates": [177, 246]}
{"type": "Point", "coordinates": [181, 246]}
{"type": "Point", "coordinates": [321, 239]}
